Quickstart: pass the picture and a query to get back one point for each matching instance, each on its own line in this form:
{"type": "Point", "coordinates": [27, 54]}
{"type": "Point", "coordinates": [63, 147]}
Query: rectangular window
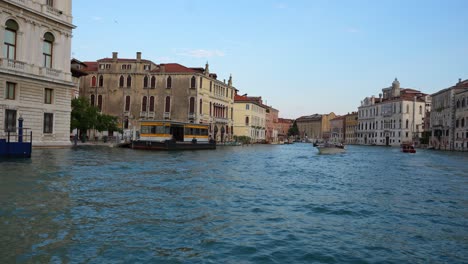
{"type": "Point", "coordinates": [10, 120]}
{"type": "Point", "coordinates": [247, 107]}
{"type": "Point", "coordinates": [107, 66]}
{"type": "Point", "coordinates": [47, 53]}
{"type": "Point", "coordinates": [10, 91]}
{"type": "Point", "coordinates": [48, 95]}
{"type": "Point", "coordinates": [48, 123]}
{"type": "Point", "coordinates": [50, 3]}
{"type": "Point", "coordinates": [102, 66]}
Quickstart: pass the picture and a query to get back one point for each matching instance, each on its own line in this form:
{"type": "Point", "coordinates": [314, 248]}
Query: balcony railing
{"type": "Point", "coordinates": [13, 64]}
{"type": "Point", "coordinates": [29, 68]}
{"type": "Point", "coordinates": [167, 115]}
{"type": "Point", "coordinates": [143, 114]}
{"type": "Point", "coordinates": [151, 114]}
{"type": "Point", "coordinates": [191, 115]}
{"type": "Point", "coordinates": [221, 120]}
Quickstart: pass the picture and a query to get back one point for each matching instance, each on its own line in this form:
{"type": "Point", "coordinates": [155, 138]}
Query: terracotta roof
{"type": "Point", "coordinates": [91, 66]}
{"type": "Point", "coordinates": [310, 117]}
{"type": "Point", "coordinates": [284, 120]}
{"type": "Point", "coordinates": [173, 68]}
{"type": "Point", "coordinates": [338, 118]}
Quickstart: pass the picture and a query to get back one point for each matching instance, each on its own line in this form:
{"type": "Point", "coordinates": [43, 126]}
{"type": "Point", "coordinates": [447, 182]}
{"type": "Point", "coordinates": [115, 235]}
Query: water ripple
{"type": "Point", "coordinates": [255, 204]}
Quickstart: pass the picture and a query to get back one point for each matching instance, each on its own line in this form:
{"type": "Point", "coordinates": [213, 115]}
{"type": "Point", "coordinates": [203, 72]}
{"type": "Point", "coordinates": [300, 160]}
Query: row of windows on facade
{"type": "Point", "coordinates": [145, 107]}
{"type": "Point", "coordinates": [11, 44]}
{"type": "Point", "coordinates": [460, 122]}
{"type": "Point", "coordinates": [375, 111]}
{"type": "Point", "coordinates": [107, 66]}
{"type": "Point", "coordinates": [11, 93]}
{"type": "Point", "coordinates": [374, 135]}
{"type": "Point", "coordinates": [461, 103]}
{"type": "Point", "coordinates": [148, 82]}
{"type": "Point", "coordinates": [10, 121]}
{"type": "Point", "coordinates": [383, 125]}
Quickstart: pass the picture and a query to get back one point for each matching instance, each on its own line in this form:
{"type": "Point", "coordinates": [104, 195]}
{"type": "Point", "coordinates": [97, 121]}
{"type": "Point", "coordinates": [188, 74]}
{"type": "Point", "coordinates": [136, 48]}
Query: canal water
{"type": "Point", "coordinates": [252, 204]}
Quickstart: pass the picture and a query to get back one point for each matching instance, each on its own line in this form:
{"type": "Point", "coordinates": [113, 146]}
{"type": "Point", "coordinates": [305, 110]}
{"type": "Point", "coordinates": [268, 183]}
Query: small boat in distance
{"type": "Point", "coordinates": [408, 148]}
{"type": "Point", "coordinates": [169, 135]}
{"type": "Point", "coordinates": [329, 148]}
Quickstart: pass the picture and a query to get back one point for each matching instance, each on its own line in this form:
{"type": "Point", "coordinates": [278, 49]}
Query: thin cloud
{"type": "Point", "coordinates": [201, 53]}
{"type": "Point", "coordinates": [353, 30]}
{"type": "Point", "coordinates": [280, 6]}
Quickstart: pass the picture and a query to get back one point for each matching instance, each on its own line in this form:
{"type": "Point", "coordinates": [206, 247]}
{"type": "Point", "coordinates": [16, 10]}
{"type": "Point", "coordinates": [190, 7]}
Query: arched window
{"type": "Point", "coordinates": [407, 123]}
{"type": "Point", "coordinates": [93, 81]}
{"type": "Point", "coordinates": [153, 82]}
{"type": "Point", "coordinates": [463, 102]}
{"type": "Point", "coordinates": [127, 103]}
{"type": "Point", "coordinates": [201, 106]}
{"type": "Point", "coordinates": [210, 108]}
{"type": "Point", "coordinates": [458, 103]}
{"type": "Point", "coordinates": [145, 82]}
{"type": "Point", "coordinates": [144, 104]}
{"type": "Point", "coordinates": [11, 30]}
{"type": "Point", "coordinates": [463, 122]}
{"type": "Point", "coordinates": [47, 49]}
{"type": "Point", "coordinates": [247, 120]}
{"type": "Point", "coordinates": [399, 126]}
{"type": "Point", "coordinates": [192, 105]}
{"type": "Point", "coordinates": [151, 106]}
{"type": "Point", "coordinates": [192, 82]}
{"type": "Point", "coordinates": [407, 108]}
{"type": "Point", "coordinates": [99, 102]}
{"type": "Point", "coordinates": [92, 99]}
{"type": "Point", "coordinates": [101, 81]}
{"type": "Point", "coordinates": [420, 110]}
{"type": "Point", "coordinates": [169, 82]}
{"type": "Point", "coordinates": [121, 81]}
{"type": "Point", "coordinates": [168, 104]}
{"type": "Point", "coordinates": [129, 81]}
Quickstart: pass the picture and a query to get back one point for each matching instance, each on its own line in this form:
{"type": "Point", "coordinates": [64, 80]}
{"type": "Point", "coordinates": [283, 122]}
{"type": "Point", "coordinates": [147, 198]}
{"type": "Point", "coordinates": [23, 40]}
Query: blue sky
{"type": "Point", "coordinates": [302, 57]}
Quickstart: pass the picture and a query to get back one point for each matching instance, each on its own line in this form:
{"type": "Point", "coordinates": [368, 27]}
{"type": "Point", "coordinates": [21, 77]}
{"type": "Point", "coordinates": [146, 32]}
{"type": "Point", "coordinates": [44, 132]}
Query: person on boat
{"type": "Point", "coordinates": [194, 140]}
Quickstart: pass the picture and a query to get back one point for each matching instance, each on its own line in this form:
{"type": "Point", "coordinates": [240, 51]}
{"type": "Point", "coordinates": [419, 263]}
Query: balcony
{"type": "Point", "coordinates": [143, 114]}
{"type": "Point", "coordinates": [151, 115]}
{"type": "Point", "coordinates": [192, 116]}
{"type": "Point", "coordinates": [24, 68]}
{"type": "Point", "coordinates": [14, 65]}
{"type": "Point", "coordinates": [221, 120]}
{"type": "Point", "coordinates": [167, 115]}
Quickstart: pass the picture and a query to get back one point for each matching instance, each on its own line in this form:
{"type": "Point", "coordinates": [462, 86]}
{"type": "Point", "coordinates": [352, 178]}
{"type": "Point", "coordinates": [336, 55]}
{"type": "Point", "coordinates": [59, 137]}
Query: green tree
{"type": "Point", "coordinates": [294, 130]}
{"type": "Point", "coordinates": [84, 116]}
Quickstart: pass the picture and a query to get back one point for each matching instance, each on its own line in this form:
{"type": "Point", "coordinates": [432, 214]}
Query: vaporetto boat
{"type": "Point", "coordinates": [169, 135]}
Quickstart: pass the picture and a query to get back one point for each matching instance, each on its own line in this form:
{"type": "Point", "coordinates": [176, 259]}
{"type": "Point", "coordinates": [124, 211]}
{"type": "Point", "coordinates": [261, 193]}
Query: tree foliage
{"type": "Point", "coordinates": [294, 130]}
{"type": "Point", "coordinates": [84, 116]}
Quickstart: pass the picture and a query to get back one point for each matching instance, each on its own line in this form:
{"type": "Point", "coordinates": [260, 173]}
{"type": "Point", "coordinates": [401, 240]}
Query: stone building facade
{"type": "Point", "coordinates": [271, 119]}
{"type": "Point", "coordinates": [461, 120]}
{"type": "Point", "coordinates": [35, 77]}
{"type": "Point", "coordinates": [444, 117]}
{"type": "Point", "coordinates": [250, 117]}
{"type": "Point", "coordinates": [283, 127]}
{"type": "Point", "coordinates": [351, 123]}
{"type": "Point", "coordinates": [138, 89]}
{"type": "Point", "coordinates": [337, 130]}
{"type": "Point", "coordinates": [395, 118]}
{"type": "Point", "coordinates": [315, 126]}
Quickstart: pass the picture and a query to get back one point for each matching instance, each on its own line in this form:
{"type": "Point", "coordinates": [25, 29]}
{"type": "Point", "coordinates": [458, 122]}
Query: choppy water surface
{"type": "Point", "coordinates": [257, 204]}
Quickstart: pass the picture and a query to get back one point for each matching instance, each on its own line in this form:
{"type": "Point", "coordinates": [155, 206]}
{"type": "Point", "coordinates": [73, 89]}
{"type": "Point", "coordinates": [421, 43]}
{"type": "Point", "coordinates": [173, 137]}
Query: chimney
{"type": "Point", "coordinates": [114, 56]}
{"type": "Point", "coordinates": [138, 56]}
{"type": "Point", "coordinates": [459, 80]}
{"type": "Point", "coordinates": [162, 68]}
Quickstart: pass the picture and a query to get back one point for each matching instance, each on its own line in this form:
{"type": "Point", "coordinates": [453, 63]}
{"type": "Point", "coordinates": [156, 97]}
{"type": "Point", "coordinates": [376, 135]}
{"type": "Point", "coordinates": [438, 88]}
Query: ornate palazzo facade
{"type": "Point", "coordinates": [35, 78]}
{"type": "Point", "coordinates": [138, 89]}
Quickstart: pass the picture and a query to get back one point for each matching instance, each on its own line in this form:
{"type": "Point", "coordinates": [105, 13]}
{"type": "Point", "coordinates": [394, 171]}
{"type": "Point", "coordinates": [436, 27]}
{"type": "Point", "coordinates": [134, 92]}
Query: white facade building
{"type": "Point", "coordinates": [395, 118]}
{"type": "Point", "coordinates": [35, 79]}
